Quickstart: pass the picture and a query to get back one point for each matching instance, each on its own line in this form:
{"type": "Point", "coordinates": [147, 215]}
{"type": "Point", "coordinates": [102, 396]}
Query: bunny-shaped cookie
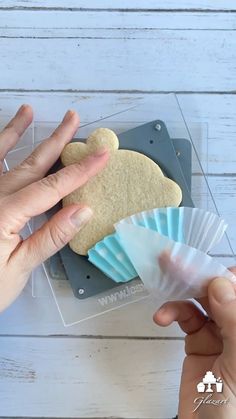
{"type": "Point", "coordinates": [130, 183]}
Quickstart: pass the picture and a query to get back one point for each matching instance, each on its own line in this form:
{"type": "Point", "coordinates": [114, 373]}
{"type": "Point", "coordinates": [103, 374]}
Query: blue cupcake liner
{"type": "Point", "coordinates": [110, 258]}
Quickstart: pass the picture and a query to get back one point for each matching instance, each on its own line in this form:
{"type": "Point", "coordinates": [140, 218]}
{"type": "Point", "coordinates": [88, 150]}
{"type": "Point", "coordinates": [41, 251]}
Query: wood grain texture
{"type": "Point", "coordinates": [135, 4]}
{"type": "Point", "coordinates": [170, 55]}
{"type": "Point", "coordinates": [29, 316]}
{"type": "Point", "coordinates": [93, 56]}
{"type": "Point", "coordinates": [207, 115]}
{"type": "Point", "coordinates": [75, 378]}
{"type": "Point", "coordinates": [66, 23]}
{"type": "Point", "coordinates": [39, 317]}
{"type": "Point", "coordinates": [172, 47]}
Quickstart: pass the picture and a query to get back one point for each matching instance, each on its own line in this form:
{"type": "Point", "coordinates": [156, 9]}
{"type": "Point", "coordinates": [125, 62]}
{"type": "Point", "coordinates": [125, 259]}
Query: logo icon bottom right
{"type": "Point", "coordinates": [210, 383]}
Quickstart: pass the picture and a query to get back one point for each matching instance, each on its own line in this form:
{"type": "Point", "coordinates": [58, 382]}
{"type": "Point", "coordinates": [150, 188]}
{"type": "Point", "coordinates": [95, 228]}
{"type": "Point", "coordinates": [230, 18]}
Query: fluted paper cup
{"type": "Point", "coordinates": [169, 270]}
{"type": "Point", "coordinates": [110, 258]}
{"type": "Point", "coordinates": [193, 226]}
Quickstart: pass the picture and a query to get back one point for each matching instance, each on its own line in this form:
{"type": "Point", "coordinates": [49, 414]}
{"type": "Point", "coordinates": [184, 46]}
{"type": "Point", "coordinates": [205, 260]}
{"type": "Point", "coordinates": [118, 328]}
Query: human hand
{"type": "Point", "coordinates": [210, 345]}
{"type": "Point", "coordinates": [25, 193]}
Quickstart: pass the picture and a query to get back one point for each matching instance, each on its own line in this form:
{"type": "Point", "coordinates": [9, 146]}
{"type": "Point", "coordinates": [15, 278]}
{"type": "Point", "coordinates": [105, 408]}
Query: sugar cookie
{"type": "Point", "coordinates": [131, 182]}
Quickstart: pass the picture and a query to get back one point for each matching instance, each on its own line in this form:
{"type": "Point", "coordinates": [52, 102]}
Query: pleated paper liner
{"type": "Point", "coordinates": [109, 256]}
{"type": "Point", "coordinates": [192, 226]}
{"type": "Point", "coordinates": [168, 269]}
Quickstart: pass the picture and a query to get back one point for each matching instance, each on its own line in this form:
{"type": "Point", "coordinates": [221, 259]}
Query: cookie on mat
{"type": "Point", "coordinates": [130, 183]}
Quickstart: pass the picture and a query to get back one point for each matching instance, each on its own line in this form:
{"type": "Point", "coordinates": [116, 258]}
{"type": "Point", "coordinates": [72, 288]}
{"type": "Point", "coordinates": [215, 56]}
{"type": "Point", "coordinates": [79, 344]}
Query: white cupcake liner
{"type": "Point", "coordinates": [193, 226]}
{"type": "Point", "coordinates": [168, 269]}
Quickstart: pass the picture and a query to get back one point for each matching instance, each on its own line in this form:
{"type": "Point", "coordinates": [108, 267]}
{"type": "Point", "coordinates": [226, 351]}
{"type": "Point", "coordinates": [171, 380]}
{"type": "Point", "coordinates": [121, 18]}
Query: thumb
{"type": "Point", "coordinates": [222, 299]}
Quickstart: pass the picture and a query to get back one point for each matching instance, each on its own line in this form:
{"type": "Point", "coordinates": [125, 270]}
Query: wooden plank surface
{"type": "Point", "coordinates": [66, 23]}
{"type": "Point", "coordinates": [171, 57]}
{"type": "Point", "coordinates": [135, 4]}
{"type": "Point", "coordinates": [214, 114]}
{"type": "Point", "coordinates": [173, 47]}
{"type": "Point", "coordinates": [92, 56]}
{"type": "Point", "coordinates": [89, 378]}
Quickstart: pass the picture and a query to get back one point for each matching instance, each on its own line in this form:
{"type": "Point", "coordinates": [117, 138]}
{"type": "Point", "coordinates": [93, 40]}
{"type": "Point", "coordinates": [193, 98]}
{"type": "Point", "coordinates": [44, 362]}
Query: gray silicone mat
{"type": "Point", "coordinates": [174, 158]}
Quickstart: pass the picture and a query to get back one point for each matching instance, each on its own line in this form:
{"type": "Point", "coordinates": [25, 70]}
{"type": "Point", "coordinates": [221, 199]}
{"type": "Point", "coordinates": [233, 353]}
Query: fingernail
{"type": "Point", "coordinates": [68, 115]}
{"type": "Point", "coordinates": [159, 314]}
{"type": "Point", "coordinates": [81, 216]}
{"type": "Point", "coordinates": [222, 290]}
{"type": "Point", "coordinates": [22, 108]}
{"type": "Point", "coordinates": [162, 310]}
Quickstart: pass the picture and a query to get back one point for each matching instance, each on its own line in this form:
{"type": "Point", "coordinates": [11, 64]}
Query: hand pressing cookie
{"type": "Point", "coordinates": [130, 183]}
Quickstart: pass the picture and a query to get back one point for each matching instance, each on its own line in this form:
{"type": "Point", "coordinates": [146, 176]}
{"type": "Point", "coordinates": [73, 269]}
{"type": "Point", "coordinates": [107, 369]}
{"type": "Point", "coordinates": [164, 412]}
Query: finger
{"type": "Point", "coordinates": [173, 268]}
{"type": "Point", "coordinates": [205, 341]}
{"type": "Point", "coordinates": [189, 317]}
{"type": "Point", "coordinates": [44, 194]}
{"type": "Point", "coordinates": [222, 299]}
{"type": "Point", "coordinates": [43, 157]}
{"type": "Point", "coordinates": [42, 244]}
{"type": "Point", "coordinates": [1, 167]}
{"type": "Point", "coordinates": [165, 262]}
{"type": "Point", "coordinates": [51, 237]}
{"type": "Point", "coordinates": [14, 129]}
{"type": "Point", "coordinates": [204, 301]}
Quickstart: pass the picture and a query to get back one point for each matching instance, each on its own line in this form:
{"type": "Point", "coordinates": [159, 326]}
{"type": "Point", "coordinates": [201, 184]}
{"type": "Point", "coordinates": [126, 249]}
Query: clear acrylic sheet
{"type": "Point", "coordinates": [73, 310]}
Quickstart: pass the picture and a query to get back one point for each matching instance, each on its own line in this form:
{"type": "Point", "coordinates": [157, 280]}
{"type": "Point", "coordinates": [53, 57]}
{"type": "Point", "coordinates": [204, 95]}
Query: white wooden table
{"type": "Point", "coordinates": [63, 54]}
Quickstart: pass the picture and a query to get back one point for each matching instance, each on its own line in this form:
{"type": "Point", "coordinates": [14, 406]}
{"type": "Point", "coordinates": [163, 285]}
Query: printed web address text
{"type": "Point", "coordinates": [126, 292]}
